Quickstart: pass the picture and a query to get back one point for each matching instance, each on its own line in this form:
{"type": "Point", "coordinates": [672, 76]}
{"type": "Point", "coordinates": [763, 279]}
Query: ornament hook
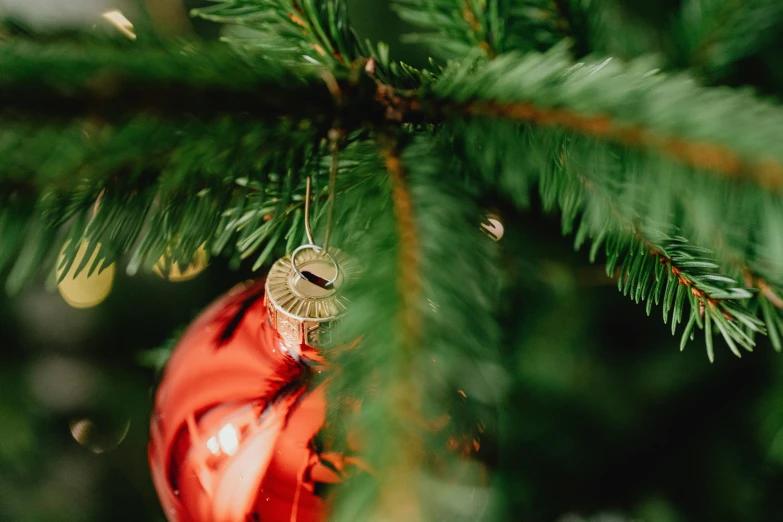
{"type": "Point", "coordinates": [334, 147]}
{"type": "Point", "coordinates": [308, 197]}
{"type": "Point", "coordinates": [313, 278]}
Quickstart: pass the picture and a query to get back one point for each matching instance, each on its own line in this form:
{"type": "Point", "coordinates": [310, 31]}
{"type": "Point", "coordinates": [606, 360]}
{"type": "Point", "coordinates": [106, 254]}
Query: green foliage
{"type": "Point", "coordinates": [456, 28]}
{"type": "Point", "coordinates": [166, 183]}
{"type": "Point", "coordinates": [710, 38]}
{"type": "Point", "coordinates": [289, 31]}
{"type": "Point", "coordinates": [672, 134]}
{"type": "Point", "coordinates": [152, 189]}
{"type": "Point", "coordinates": [495, 26]}
{"type": "Point", "coordinates": [407, 381]}
{"type": "Point", "coordinates": [67, 65]}
{"type": "Point", "coordinates": [633, 104]}
{"type": "Point", "coordinates": [715, 34]}
{"type": "Point", "coordinates": [652, 263]}
{"type": "Point", "coordinates": [307, 34]}
{"type": "Point", "coordinates": [151, 150]}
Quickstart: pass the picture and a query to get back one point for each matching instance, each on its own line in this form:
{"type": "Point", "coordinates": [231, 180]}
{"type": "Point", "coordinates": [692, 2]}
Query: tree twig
{"type": "Point", "coordinates": [401, 501]}
{"type": "Point", "coordinates": [696, 154]}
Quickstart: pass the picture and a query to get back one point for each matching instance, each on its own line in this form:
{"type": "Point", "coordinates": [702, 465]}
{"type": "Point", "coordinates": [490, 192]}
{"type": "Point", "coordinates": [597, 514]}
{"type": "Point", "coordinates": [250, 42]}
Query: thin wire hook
{"type": "Point", "coordinates": [308, 197]}
{"type": "Point", "coordinates": [334, 137]}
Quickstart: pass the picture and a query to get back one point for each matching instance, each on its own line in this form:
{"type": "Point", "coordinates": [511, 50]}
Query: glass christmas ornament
{"type": "Point", "coordinates": [237, 413]}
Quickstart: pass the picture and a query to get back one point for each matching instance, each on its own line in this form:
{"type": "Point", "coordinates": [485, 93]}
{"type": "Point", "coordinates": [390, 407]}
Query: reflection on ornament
{"type": "Point", "coordinates": [99, 436]}
{"type": "Point", "coordinates": [493, 227]}
{"type": "Point", "coordinates": [173, 272]}
{"type": "Point", "coordinates": [85, 290]}
{"type": "Point", "coordinates": [236, 429]}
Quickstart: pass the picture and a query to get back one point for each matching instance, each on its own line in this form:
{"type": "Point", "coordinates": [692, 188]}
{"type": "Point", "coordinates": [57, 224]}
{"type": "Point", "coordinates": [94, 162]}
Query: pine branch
{"type": "Point", "coordinates": [458, 27]}
{"type": "Point", "coordinates": [715, 34]}
{"type": "Point", "coordinates": [156, 118]}
{"type": "Point", "coordinates": [300, 32]}
{"type": "Point", "coordinates": [111, 84]}
{"type": "Point", "coordinates": [672, 270]}
{"type": "Point", "coordinates": [652, 257]}
{"type": "Point", "coordinates": [227, 203]}
{"type": "Point", "coordinates": [655, 187]}
{"type": "Point", "coordinates": [535, 25]}
{"type": "Point", "coordinates": [372, 373]}
{"type": "Point", "coordinates": [408, 272]}
{"type": "Point", "coordinates": [547, 90]}
{"type": "Point", "coordinates": [654, 261]}
{"type": "Point", "coordinates": [401, 502]}
{"type": "Point", "coordinates": [458, 359]}
{"type": "Point", "coordinates": [708, 179]}
{"type": "Point", "coordinates": [695, 142]}
{"type": "Point", "coordinates": [768, 303]}
{"type": "Point", "coordinates": [656, 265]}
{"type": "Point", "coordinates": [755, 275]}
{"type": "Point", "coordinates": [604, 103]}
{"type": "Point", "coordinates": [315, 35]}
{"type": "Point", "coordinates": [155, 153]}
{"type": "Point", "coordinates": [455, 25]}
{"type": "Point", "coordinates": [695, 154]}
{"type": "Point", "coordinates": [415, 351]}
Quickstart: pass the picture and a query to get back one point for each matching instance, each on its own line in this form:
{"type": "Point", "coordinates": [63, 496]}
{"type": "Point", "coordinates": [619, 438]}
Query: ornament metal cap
{"type": "Point", "coordinates": [302, 311]}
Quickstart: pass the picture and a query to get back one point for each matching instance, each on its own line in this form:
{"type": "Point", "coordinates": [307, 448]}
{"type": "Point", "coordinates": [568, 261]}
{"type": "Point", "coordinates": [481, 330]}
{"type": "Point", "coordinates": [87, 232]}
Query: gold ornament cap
{"type": "Point", "coordinates": [304, 300]}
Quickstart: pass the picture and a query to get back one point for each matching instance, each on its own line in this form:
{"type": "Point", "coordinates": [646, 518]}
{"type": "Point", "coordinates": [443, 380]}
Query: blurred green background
{"type": "Point", "coordinates": [605, 419]}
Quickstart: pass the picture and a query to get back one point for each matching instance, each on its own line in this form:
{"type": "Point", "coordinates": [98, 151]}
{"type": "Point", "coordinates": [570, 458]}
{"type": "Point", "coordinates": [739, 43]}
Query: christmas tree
{"type": "Point", "coordinates": [480, 370]}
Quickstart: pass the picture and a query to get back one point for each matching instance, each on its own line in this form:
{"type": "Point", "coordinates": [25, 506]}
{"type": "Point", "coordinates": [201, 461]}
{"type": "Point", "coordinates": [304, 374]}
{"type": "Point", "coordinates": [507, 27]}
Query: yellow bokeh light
{"type": "Point", "coordinates": [118, 20]}
{"type": "Point", "coordinates": [85, 291]}
{"type": "Point", "coordinates": [174, 273]}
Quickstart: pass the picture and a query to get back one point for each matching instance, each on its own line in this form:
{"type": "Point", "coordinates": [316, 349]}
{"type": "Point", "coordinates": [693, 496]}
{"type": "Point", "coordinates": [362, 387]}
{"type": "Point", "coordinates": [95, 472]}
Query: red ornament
{"type": "Point", "coordinates": [235, 420]}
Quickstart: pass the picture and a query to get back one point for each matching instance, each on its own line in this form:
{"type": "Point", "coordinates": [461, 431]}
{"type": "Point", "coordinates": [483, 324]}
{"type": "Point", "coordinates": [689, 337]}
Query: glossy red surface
{"type": "Point", "coordinates": [232, 434]}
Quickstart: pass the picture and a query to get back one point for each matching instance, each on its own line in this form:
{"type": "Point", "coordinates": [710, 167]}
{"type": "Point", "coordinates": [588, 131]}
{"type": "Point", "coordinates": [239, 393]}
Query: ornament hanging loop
{"type": "Point", "coordinates": [313, 278]}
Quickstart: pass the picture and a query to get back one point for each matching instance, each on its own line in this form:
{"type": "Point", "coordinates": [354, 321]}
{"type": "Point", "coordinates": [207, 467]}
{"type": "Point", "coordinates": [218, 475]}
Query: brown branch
{"type": "Point", "coordinates": [769, 294]}
{"type": "Point", "coordinates": [399, 500]}
{"type": "Point", "coordinates": [365, 102]}
{"type": "Point", "coordinates": [682, 279]}
{"type": "Point", "coordinates": [632, 228]}
{"type": "Point", "coordinates": [410, 286]}
{"type": "Point", "coordinates": [753, 280]}
{"type": "Point", "coordinates": [767, 172]}
{"type": "Point", "coordinates": [470, 17]}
